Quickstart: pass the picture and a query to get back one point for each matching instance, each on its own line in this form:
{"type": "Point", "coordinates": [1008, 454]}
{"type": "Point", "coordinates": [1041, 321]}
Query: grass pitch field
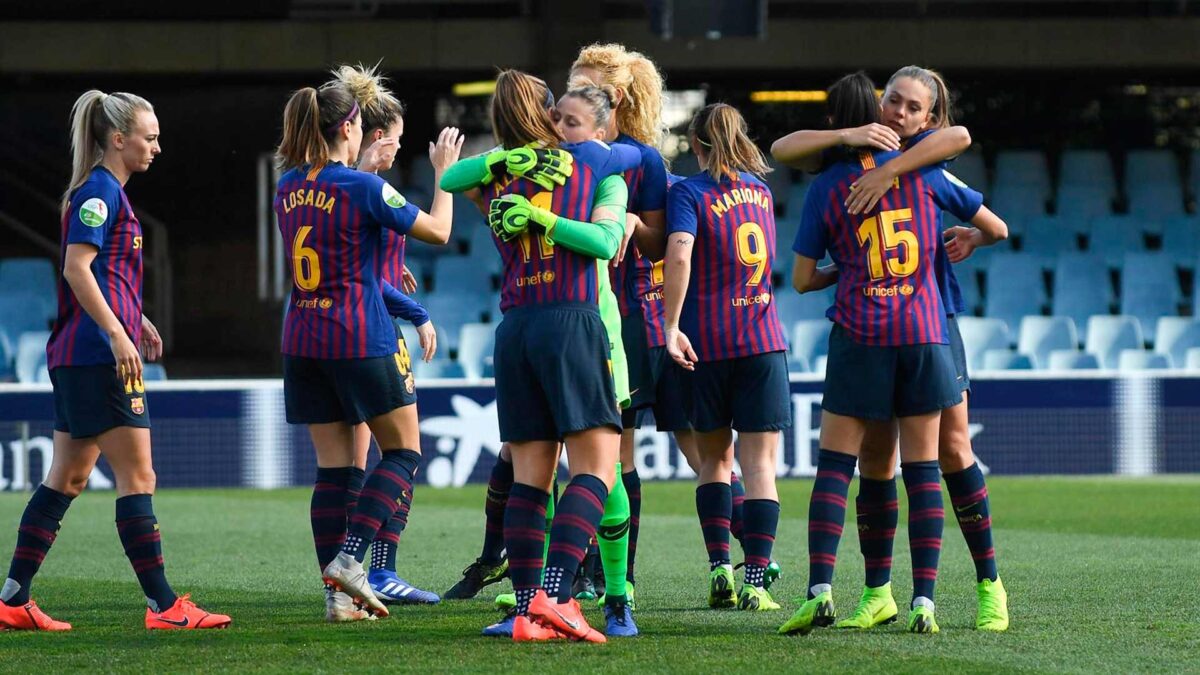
{"type": "Point", "coordinates": [1101, 575]}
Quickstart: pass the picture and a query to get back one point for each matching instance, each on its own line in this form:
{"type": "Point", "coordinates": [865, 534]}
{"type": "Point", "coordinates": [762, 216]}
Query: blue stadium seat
{"type": "Point", "coordinates": [35, 276]}
{"type": "Point", "coordinates": [1016, 204]}
{"type": "Point", "coordinates": [1049, 236]}
{"type": "Point", "coordinates": [493, 309]}
{"type": "Point", "coordinates": [781, 178]}
{"type": "Point", "coordinates": [412, 340]}
{"type": "Point", "coordinates": [793, 306]}
{"type": "Point", "coordinates": [818, 366]}
{"type": "Point", "coordinates": [154, 372]}
{"type": "Point", "coordinates": [1107, 336]}
{"type": "Point", "coordinates": [1181, 240]}
{"type": "Point", "coordinates": [1087, 167]}
{"type": "Point", "coordinates": [1154, 202]}
{"type": "Point", "coordinates": [437, 368]}
{"type": "Point", "coordinates": [979, 335]}
{"type": "Point", "coordinates": [467, 220]}
{"type": "Point", "coordinates": [968, 285]}
{"type": "Point", "coordinates": [1140, 359]}
{"type": "Point", "coordinates": [810, 339]}
{"type": "Point", "coordinates": [1081, 202]}
{"type": "Point", "coordinates": [475, 343]}
{"type": "Point", "coordinates": [1149, 289]}
{"type": "Point", "coordinates": [785, 236]}
{"type": "Point", "coordinates": [795, 200]}
{"type": "Point", "coordinates": [450, 310]}
{"type": "Point", "coordinates": [1192, 360]}
{"type": "Point", "coordinates": [1014, 288]}
{"type": "Point", "coordinates": [420, 173]}
{"type": "Point", "coordinates": [1111, 237]}
{"type": "Point", "coordinates": [31, 354]}
{"type": "Point", "coordinates": [1072, 359]}
{"type": "Point", "coordinates": [480, 244]}
{"type": "Point", "coordinates": [797, 364]}
{"type": "Point", "coordinates": [1023, 167]}
{"type": "Point", "coordinates": [463, 274]}
{"type": "Point", "coordinates": [16, 317]}
{"type": "Point", "coordinates": [1006, 359]}
{"type": "Point", "coordinates": [969, 168]}
{"type": "Point", "coordinates": [1175, 335]}
{"type": "Point", "coordinates": [1151, 166]}
{"type": "Point", "coordinates": [1041, 335]}
{"type": "Point", "coordinates": [1081, 289]}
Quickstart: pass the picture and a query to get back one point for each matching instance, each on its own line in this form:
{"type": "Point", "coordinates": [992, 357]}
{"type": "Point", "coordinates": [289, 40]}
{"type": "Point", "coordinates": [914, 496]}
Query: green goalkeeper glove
{"type": "Point", "coordinates": [549, 168]}
{"type": "Point", "coordinates": [509, 216]}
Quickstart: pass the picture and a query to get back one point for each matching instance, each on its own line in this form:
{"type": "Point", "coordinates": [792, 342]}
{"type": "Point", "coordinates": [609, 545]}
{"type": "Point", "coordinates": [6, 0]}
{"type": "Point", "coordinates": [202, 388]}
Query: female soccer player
{"type": "Point", "coordinates": [96, 371]}
{"type": "Point", "coordinates": [916, 109]}
{"type": "Point", "coordinates": [554, 381]}
{"type": "Point", "coordinates": [889, 331]}
{"type": "Point", "coordinates": [340, 362]}
{"type": "Point", "coordinates": [721, 231]}
{"type": "Point", "coordinates": [383, 125]}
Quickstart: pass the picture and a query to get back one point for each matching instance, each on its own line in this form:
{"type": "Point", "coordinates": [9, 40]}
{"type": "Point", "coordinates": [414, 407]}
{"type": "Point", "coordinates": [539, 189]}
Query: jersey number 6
{"type": "Point", "coordinates": [306, 266]}
{"type": "Point", "coordinates": [879, 234]}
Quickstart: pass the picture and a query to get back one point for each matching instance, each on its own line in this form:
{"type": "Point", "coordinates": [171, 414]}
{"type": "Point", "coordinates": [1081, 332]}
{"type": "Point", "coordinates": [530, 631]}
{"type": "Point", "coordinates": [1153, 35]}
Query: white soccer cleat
{"type": "Point", "coordinates": [346, 574]}
{"type": "Point", "coordinates": [340, 608]}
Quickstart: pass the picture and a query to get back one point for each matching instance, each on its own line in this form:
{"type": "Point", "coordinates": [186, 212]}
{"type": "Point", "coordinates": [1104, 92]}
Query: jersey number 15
{"type": "Point", "coordinates": [879, 234]}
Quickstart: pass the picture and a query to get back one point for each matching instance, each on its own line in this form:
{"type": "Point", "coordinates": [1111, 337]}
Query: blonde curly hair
{"type": "Point", "coordinates": [638, 80]}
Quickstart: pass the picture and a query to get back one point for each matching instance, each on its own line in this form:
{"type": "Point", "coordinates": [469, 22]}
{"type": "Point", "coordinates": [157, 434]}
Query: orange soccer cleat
{"type": "Point", "coordinates": [28, 616]}
{"type": "Point", "coordinates": [528, 630]}
{"type": "Point", "coordinates": [185, 615]}
{"type": "Point", "coordinates": [565, 617]}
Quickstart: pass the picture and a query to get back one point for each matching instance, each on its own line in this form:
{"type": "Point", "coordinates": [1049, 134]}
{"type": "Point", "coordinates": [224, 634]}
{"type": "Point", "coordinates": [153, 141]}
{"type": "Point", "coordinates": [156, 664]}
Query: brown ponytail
{"type": "Point", "coordinates": [311, 119]}
{"type": "Point", "coordinates": [721, 129]}
{"type": "Point", "coordinates": [380, 107]}
{"type": "Point", "coordinates": [94, 117]}
{"type": "Point", "coordinates": [518, 111]}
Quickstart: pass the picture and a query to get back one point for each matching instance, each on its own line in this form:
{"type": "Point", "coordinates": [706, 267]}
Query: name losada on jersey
{"type": "Point", "coordinates": [302, 197]}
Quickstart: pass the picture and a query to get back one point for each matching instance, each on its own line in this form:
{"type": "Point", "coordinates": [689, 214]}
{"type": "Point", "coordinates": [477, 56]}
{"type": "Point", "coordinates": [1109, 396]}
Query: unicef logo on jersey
{"type": "Point", "coordinates": [392, 198]}
{"type": "Point", "coordinates": [94, 212]}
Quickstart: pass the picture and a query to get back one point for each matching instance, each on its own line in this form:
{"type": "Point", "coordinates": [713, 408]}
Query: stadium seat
{"type": "Point", "coordinates": [493, 309]}
{"type": "Point", "coordinates": [1155, 201]}
{"type": "Point", "coordinates": [468, 220]}
{"type": "Point", "coordinates": [480, 244]}
{"type": "Point", "coordinates": [475, 343]}
{"type": "Point", "coordinates": [981, 334]}
{"type": "Point", "coordinates": [1192, 360]}
{"type": "Point", "coordinates": [810, 339]}
{"type": "Point", "coordinates": [154, 372]}
{"type": "Point", "coordinates": [1111, 237]}
{"type": "Point", "coordinates": [1072, 359]}
{"type": "Point", "coordinates": [31, 354]}
{"type": "Point", "coordinates": [1140, 359]}
{"type": "Point", "coordinates": [16, 317]}
{"type": "Point", "coordinates": [1006, 359]}
{"type": "Point", "coordinates": [795, 200]}
{"type": "Point", "coordinates": [1175, 335]}
{"type": "Point", "coordinates": [464, 274]}
{"type": "Point", "coordinates": [1023, 167]}
{"type": "Point", "coordinates": [797, 364]}
{"type": "Point", "coordinates": [1149, 289]}
{"type": "Point", "coordinates": [970, 169]}
{"type": "Point", "coordinates": [1014, 288]}
{"type": "Point", "coordinates": [35, 276]}
{"type": "Point", "coordinates": [1087, 167]}
{"type": "Point", "coordinates": [420, 173]}
{"type": "Point", "coordinates": [1081, 289]}
{"type": "Point", "coordinates": [818, 366]}
{"type": "Point", "coordinates": [968, 285]}
{"type": "Point", "coordinates": [1181, 240]}
{"type": "Point", "coordinates": [1151, 165]}
{"type": "Point", "coordinates": [411, 339]}
{"type": "Point", "coordinates": [793, 306]}
{"type": "Point", "coordinates": [1081, 202]}
{"type": "Point", "coordinates": [1107, 336]}
{"type": "Point", "coordinates": [781, 178]}
{"type": "Point", "coordinates": [450, 310]}
{"type": "Point", "coordinates": [785, 237]}
{"type": "Point", "coordinates": [1040, 335]}
{"type": "Point", "coordinates": [1017, 205]}
{"type": "Point", "coordinates": [437, 368]}
{"type": "Point", "coordinates": [1049, 236]}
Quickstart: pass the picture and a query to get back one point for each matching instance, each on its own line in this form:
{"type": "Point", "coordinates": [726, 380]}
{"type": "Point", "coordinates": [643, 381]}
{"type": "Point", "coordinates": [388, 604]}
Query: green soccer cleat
{"type": "Point", "coordinates": [876, 608]}
{"type": "Point", "coordinates": [477, 575]}
{"type": "Point", "coordinates": [720, 587]}
{"type": "Point", "coordinates": [506, 601]}
{"type": "Point", "coordinates": [920, 620]}
{"type": "Point", "coordinates": [993, 606]}
{"type": "Point", "coordinates": [755, 599]}
{"type": "Point", "coordinates": [815, 613]}
{"type": "Point", "coordinates": [629, 599]}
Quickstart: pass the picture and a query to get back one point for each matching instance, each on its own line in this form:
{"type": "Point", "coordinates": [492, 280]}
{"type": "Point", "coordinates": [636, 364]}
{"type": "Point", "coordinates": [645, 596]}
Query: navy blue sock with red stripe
{"type": "Point", "coordinates": [499, 485]}
{"type": "Point", "coordinates": [925, 520]}
{"type": "Point", "coordinates": [877, 512]}
{"type": "Point", "coordinates": [968, 494]}
{"type": "Point", "coordinates": [576, 517]}
{"type": "Point", "coordinates": [713, 504]}
{"type": "Point", "coordinates": [736, 518]}
{"type": "Point", "coordinates": [827, 514]}
{"type": "Point", "coordinates": [387, 540]}
{"type": "Point", "coordinates": [633, 488]}
{"type": "Point", "coordinates": [138, 529]}
{"type": "Point", "coordinates": [354, 486]}
{"type": "Point", "coordinates": [762, 519]}
{"type": "Point", "coordinates": [39, 526]}
{"type": "Point", "coordinates": [525, 537]}
{"type": "Point", "coordinates": [381, 496]}
{"type": "Point", "coordinates": [329, 510]}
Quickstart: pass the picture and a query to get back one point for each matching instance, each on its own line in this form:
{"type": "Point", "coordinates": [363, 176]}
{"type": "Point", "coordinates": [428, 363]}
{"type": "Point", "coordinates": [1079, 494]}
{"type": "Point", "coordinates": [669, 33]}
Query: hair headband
{"type": "Point", "coordinates": [349, 116]}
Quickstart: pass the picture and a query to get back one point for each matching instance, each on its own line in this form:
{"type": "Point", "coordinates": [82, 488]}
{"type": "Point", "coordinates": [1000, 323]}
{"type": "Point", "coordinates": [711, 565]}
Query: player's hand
{"type": "Point", "coordinates": [632, 223]}
{"type": "Point", "coordinates": [548, 167]}
{"type": "Point", "coordinates": [379, 156]}
{"type": "Point", "coordinates": [408, 282]}
{"type": "Point", "coordinates": [129, 362]}
{"type": "Point", "coordinates": [962, 242]}
{"type": "Point", "coordinates": [509, 216]}
{"type": "Point", "coordinates": [873, 135]}
{"type": "Point", "coordinates": [680, 349]}
{"type": "Point", "coordinates": [428, 337]}
{"type": "Point", "coordinates": [446, 149]}
{"type": "Point", "coordinates": [151, 342]}
{"type": "Point", "coordinates": [866, 191]}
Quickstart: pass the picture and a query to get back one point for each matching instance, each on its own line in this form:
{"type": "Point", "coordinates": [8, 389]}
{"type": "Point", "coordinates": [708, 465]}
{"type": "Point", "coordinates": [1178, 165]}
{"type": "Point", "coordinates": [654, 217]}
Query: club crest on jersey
{"type": "Point", "coordinates": [392, 198]}
{"type": "Point", "coordinates": [138, 405]}
{"type": "Point", "coordinates": [94, 212]}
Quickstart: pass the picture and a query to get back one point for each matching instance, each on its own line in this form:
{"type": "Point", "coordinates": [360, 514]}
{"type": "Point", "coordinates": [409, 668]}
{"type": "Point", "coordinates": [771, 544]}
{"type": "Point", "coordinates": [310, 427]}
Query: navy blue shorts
{"type": "Point", "coordinates": [879, 383]}
{"type": "Point", "coordinates": [641, 371]}
{"type": "Point", "coordinates": [672, 399]}
{"type": "Point", "coordinates": [404, 364]}
{"type": "Point", "coordinates": [553, 375]}
{"type": "Point", "coordinates": [959, 353]}
{"type": "Point", "coordinates": [322, 391]}
{"type": "Point", "coordinates": [748, 393]}
{"type": "Point", "coordinates": [89, 400]}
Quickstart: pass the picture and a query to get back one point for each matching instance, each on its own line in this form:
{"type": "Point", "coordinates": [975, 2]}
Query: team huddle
{"type": "Point", "coordinates": [627, 292]}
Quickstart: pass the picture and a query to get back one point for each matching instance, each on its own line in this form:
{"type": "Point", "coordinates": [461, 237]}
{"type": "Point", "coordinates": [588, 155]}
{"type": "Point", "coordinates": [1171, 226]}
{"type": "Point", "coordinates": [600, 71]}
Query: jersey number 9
{"type": "Point", "coordinates": [752, 250]}
{"type": "Point", "coordinates": [306, 266]}
{"type": "Point", "coordinates": [879, 234]}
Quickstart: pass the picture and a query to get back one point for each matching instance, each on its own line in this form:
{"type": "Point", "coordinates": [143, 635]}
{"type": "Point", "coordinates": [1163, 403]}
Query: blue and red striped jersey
{"type": "Point", "coordinates": [393, 257]}
{"type": "Point", "coordinates": [652, 295]}
{"type": "Point", "coordinates": [331, 221]}
{"type": "Point", "coordinates": [536, 271]}
{"type": "Point", "coordinates": [887, 291]}
{"type": "Point", "coordinates": [728, 311]}
{"type": "Point", "coordinates": [647, 183]}
{"type": "Point", "coordinates": [98, 214]}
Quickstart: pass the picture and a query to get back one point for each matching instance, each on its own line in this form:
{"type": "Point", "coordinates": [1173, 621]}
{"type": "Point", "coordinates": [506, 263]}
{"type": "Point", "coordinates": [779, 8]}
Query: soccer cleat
{"type": "Point", "coordinates": [477, 575]}
{"type": "Point", "coordinates": [28, 616]}
{"type": "Point", "coordinates": [583, 588]}
{"type": "Point", "coordinates": [619, 621]}
{"type": "Point", "coordinates": [525, 629]}
{"type": "Point", "coordinates": [993, 606]}
{"type": "Point", "coordinates": [815, 613]}
{"type": "Point", "coordinates": [755, 599]}
{"type": "Point", "coordinates": [920, 620]}
{"type": "Point", "coordinates": [341, 608]}
{"type": "Point", "coordinates": [629, 598]}
{"type": "Point", "coordinates": [876, 607]}
{"type": "Point", "coordinates": [390, 589]}
{"type": "Point", "coordinates": [346, 574]}
{"type": "Point", "coordinates": [503, 627]}
{"type": "Point", "coordinates": [185, 615]}
{"type": "Point", "coordinates": [720, 587]}
{"type": "Point", "coordinates": [505, 601]}
{"type": "Point", "coordinates": [564, 617]}
{"type": "Point", "coordinates": [770, 576]}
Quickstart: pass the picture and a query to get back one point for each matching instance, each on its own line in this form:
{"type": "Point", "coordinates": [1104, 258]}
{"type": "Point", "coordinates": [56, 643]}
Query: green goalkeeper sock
{"type": "Point", "coordinates": [613, 538]}
{"type": "Point", "coordinates": [549, 521]}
